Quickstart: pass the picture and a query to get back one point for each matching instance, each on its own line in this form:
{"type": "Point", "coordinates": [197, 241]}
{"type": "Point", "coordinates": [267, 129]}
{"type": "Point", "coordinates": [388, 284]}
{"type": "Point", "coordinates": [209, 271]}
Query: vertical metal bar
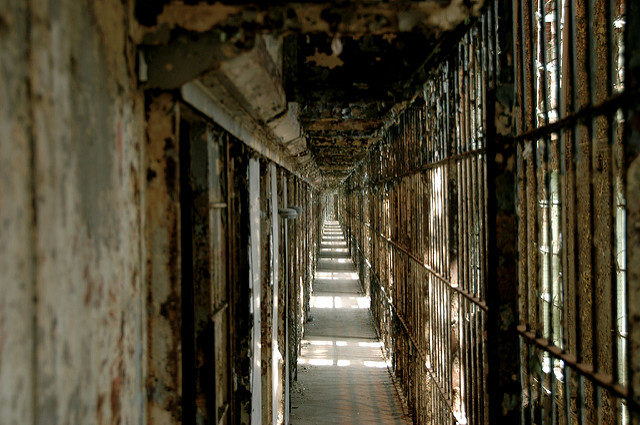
{"type": "Point", "coordinates": [256, 284]}
{"type": "Point", "coordinates": [632, 185]}
{"type": "Point", "coordinates": [229, 285]}
{"type": "Point", "coordinates": [287, 303]}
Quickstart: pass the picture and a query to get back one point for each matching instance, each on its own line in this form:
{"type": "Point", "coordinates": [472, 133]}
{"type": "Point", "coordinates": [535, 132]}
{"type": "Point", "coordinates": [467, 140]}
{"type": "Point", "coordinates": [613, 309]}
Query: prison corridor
{"type": "Point", "coordinates": [343, 377]}
{"type": "Point", "coordinates": [249, 212]}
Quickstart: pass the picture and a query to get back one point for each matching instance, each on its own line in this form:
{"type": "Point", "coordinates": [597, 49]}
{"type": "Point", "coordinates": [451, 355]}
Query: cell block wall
{"type": "Point", "coordinates": [416, 214]}
{"type": "Point", "coordinates": [570, 88]}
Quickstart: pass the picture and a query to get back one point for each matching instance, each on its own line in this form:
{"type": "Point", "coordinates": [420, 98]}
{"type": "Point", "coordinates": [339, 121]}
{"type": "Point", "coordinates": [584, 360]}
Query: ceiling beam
{"type": "Point", "coordinates": [341, 124]}
{"type": "Point", "coordinates": [371, 17]}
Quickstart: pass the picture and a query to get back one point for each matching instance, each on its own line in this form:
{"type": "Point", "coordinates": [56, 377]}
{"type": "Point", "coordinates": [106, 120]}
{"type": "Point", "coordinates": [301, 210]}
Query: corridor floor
{"type": "Point", "coordinates": [342, 375]}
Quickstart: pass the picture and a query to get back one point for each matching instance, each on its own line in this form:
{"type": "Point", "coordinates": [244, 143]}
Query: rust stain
{"type": "Point", "coordinates": [90, 286]}
{"type": "Point", "coordinates": [116, 387]}
{"type": "Point", "coordinates": [447, 17]}
{"type": "Point", "coordinates": [310, 17]}
{"type": "Point", "coordinates": [99, 407]}
{"type": "Point", "coordinates": [323, 59]}
{"type": "Point", "coordinates": [199, 17]}
{"type": "Point", "coordinates": [390, 37]}
{"type": "Point", "coordinates": [163, 273]}
{"type": "Point", "coordinates": [116, 380]}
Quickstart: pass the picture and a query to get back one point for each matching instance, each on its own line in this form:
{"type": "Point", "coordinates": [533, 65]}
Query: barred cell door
{"type": "Point", "coordinates": [206, 348]}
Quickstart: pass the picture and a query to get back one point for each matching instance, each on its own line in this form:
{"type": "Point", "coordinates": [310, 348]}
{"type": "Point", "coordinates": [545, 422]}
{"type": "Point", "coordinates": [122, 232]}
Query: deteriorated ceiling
{"type": "Point", "coordinates": [343, 66]}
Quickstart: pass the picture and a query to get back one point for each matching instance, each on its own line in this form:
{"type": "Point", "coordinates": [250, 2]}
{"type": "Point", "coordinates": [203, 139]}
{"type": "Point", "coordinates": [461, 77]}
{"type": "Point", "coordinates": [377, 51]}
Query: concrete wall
{"type": "Point", "coordinates": [16, 246]}
{"type": "Point", "coordinates": [91, 234]}
{"type": "Point", "coordinates": [71, 124]}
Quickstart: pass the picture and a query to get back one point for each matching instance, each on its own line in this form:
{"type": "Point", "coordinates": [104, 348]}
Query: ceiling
{"type": "Point", "coordinates": [346, 85]}
{"type": "Point", "coordinates": [345, 65]}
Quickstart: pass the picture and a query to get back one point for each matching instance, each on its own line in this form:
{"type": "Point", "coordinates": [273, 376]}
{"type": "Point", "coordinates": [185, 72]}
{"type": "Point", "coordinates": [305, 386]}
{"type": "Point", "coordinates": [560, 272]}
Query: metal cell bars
{"type": "Point", "coordinates": [440, 320]}
{"type": "Point", "coordinates": [569, 78]}
{"type": "Point", "coordinates": [470, 85]}
{"type": "Point", "coordinates": [421, 301]}
{"type": "Point", "coordinates": [428, 236]}
{"type": "Point", "coordinates": [303, 248]}
{"type": "Point", "coordinates": [401, 300]}
{"type": "Point", "coordinates": [471, 80]}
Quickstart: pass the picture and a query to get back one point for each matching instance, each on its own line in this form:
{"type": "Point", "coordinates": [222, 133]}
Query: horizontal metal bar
{"type": "Point", "coordinates": [603, 380]}
{"type": "Point", "coordinates": [607, 106]}
{"type": "Point", "coordinates": [444, 396]}
{"type": "Point", "coordinates": [477, 301]}
{"type": "Point", "coordinates": [425, 167]}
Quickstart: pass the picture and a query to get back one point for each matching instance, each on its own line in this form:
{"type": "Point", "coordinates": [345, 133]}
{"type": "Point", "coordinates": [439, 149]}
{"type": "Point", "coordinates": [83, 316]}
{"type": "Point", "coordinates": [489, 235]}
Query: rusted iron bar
{"type": "Point", "coordinates": [570, 86]}
{"type": "Point", "coordinates": [449, 160]}
{"type": "Point", "coordinates": [405, 327]}
{"type": "Point", "coordinates": [230, 408]}
{"type": "Point", "coordinates": [606, 107]}
{"type": "Point", "coordinates": [415, 215]}
{"type": "Point", "coordinates": [604, 380]}
{"type": "Point", "coordinates": [423, 354]}
{"type": "Point", "coordinates": [477, 301]}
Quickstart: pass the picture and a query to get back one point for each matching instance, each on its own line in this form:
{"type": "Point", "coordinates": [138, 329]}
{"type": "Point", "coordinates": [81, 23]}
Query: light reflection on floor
{"type": "Point", "coordinates": [324, 251]}
{"type": "Point", "coordinates": [352, 352]}
{"type": "Point", "coordinates": [327, 262]}
{"type": "Point", "coordinates": [339, 301]}
{"type": "Point", "coordinates": [342, 372]}
{"type": "Point", "coordinates": [334, 243]}
{"type": "Point", "coordinates": [339, 275]}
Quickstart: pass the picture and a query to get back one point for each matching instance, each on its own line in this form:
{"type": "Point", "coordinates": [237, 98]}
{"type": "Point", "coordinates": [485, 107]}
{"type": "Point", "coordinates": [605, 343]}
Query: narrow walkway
{"type": "Point", "coordinates": [342, 375]}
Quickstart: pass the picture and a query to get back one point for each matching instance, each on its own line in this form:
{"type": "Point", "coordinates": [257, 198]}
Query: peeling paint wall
{"type": "Point", "coordinates": [17, 281]}
{"type": "Point", "coordinates": [92, 234]}
{"type": "Point", "coordinates": [87, 129]}
{"type": "Point", "coordinates": [162, 259]}
{"type": "Point", "coordinates": [308, 17]}
{"type": "Point", "coordinates": [71, 315]}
